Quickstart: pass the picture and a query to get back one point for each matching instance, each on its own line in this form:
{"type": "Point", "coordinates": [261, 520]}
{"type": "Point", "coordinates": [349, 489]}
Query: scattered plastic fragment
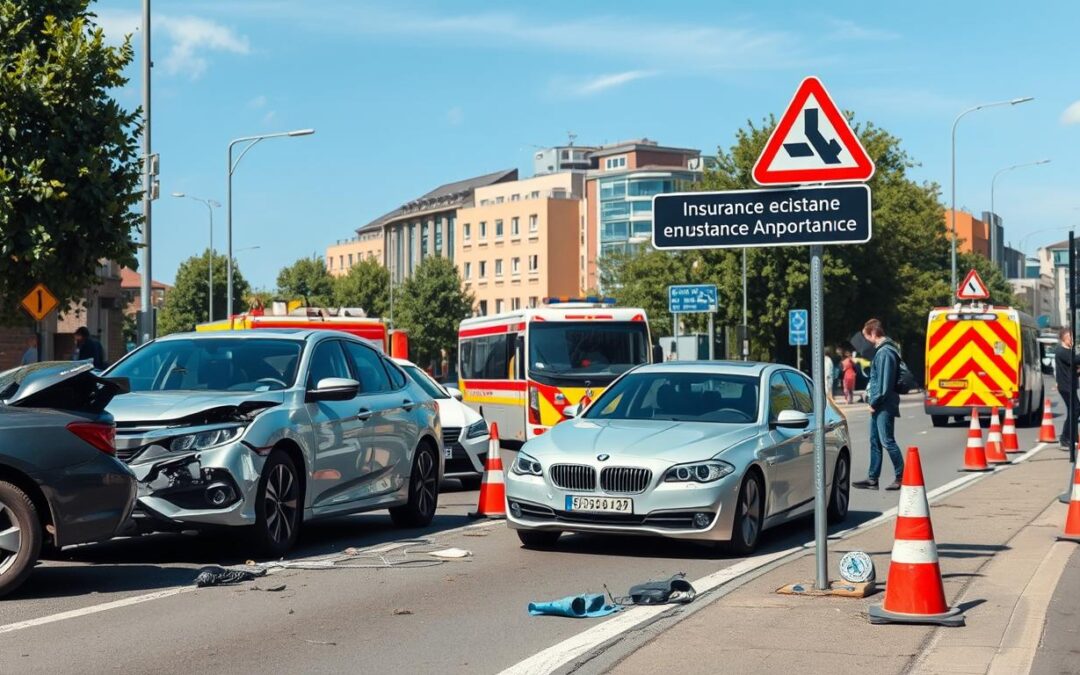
{"type": "Point", "coordinates": [451, 553]}
{"type": "Point", "coordinates": [402, 612]}
{"type": "Point", "coordinates": [221, 576]}
{"type": "Point", "coordinates": [575, 607]}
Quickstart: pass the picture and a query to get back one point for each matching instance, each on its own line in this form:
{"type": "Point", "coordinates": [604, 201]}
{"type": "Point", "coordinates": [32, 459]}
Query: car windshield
{"type": "Point", "coordinates": [594, 350]}
{"type": "Point", "coordinates": [212, 364]}
{"type": "Point", "coordinates": [426, 383]}
{"type": "Point", "coordinates": [679, 397]}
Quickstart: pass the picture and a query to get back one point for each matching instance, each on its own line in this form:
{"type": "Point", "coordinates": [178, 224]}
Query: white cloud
{"type": "Point", "coordinates": [257, 102]}
{"type": "Point", "coordinates": [188, 39]}
{"type": "Point", "coordinates": [1071, 115]}
{"type": "Point", "coordinates": [455, 116]}
{"type": "Point", "coordinates": [844, 29]}
{"type": "Point", "coordinates": [595, 85]}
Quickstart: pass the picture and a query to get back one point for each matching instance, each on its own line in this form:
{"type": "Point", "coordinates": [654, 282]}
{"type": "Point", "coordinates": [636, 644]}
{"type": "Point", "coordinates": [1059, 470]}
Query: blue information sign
{"type": "Point", "coordinates": [692, 298]}
{"type": "Point", "coordinates": [798, 327]}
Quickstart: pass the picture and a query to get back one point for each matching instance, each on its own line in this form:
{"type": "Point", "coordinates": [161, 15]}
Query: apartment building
{"type": "Point", "coordinates": [366, 245]}
{"type": "Point", "coordinates": [521, 240]}
{"type": "Point", "coordinates": [619, 189]}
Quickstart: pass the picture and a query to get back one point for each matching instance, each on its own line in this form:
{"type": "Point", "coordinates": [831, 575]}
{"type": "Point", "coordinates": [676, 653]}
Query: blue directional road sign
{"type": "Point", "coordinates": [692, 298]}
{"type": "Point", "coordinates": [798, 327]}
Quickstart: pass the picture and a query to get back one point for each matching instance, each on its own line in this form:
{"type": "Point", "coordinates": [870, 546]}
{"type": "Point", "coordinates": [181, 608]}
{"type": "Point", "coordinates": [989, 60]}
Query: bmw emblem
{"type": "Point", "coordinates": [603, 458]}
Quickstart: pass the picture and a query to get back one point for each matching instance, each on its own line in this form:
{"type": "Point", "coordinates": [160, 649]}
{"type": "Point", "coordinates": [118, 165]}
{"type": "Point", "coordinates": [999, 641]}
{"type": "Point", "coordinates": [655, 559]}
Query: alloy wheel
{"type": "Point", "coordinates": [280, 503]}
{"type": "Point", "coordinates": [10, 538]}
{"type": "Point", "coordinates": [426, 483]}
{"type": "Point", "coordinates": [750, 511]}
{"type": "Point", "coordinates": [843, 486]}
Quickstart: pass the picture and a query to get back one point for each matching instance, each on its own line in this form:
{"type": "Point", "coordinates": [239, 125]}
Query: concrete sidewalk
{"type": "Point", "coordinates": [1000, 561]}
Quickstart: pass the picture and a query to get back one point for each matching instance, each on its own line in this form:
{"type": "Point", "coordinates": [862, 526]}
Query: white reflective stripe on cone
{"type": "Point", "coordinates": [1076, 492]}
{"type": "Point", "coordinates": [493, 477]}
{"type": "Point", "coordinates": [975, 442]}
{"type": "Point", "coordinates": [914, 552]}
{"type": "Point", "coordinates": [913, 502]}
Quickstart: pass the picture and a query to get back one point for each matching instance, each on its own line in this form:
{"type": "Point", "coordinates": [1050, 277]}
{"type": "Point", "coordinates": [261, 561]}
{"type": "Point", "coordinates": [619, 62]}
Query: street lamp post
{"type": "Point", "coordinates": [210, 206]}
{"type": "Point", "coordinates": [1012, 101]}
{"type": "Point", "coordinates": [230, 166]}
{"type": "Point", "coordinates": [993, 213]}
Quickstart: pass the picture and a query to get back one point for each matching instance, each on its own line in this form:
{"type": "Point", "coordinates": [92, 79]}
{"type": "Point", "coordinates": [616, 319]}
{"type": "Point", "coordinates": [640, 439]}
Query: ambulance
{"type": "Point", "coordinates": [347, 319]}
{"type": "Point", "coordinates": [979, 357]}
{"type": "Point", "coordinates": [521, 369]}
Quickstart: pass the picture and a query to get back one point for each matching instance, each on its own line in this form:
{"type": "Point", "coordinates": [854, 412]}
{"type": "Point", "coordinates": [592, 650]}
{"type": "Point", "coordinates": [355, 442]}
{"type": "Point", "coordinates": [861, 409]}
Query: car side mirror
{"type": "Point", "coordinates": [572, 411]}
{"type": "Point", "coordinates": [334, 389]}
{"type": "Point", "coordinates": [791, 419]}
{"type": "Point", "coordinates": [455, 392]}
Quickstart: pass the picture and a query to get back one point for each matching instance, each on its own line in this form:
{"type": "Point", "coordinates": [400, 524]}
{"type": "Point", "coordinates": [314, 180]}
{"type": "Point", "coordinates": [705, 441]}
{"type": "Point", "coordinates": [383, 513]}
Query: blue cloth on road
{"type": "Point", "coordinates": [884, 369]}
{"type": "Point", "coordinates": [590, 605]}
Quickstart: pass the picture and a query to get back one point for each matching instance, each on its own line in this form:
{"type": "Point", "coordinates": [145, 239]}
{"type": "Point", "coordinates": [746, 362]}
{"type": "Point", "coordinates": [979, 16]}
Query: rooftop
{"type": "Point", "coordinates": [129, 278]}
{"type": "Point", "coordinates": [638, 144]}
{"type": "Point", "coordinates": [442, 198]}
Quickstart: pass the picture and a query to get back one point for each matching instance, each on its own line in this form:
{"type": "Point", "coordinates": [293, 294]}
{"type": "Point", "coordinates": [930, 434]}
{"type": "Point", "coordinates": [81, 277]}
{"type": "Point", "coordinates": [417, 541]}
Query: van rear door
{"type": "Point", "coordinates": [972, 358]}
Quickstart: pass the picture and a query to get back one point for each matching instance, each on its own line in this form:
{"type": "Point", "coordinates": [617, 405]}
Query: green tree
{"type": "Point", "coordinates": [69, 163]}
{"type": "Point", "coordinates": [430, 306]}
{"type": "Point", "coordinates": [187, 302]}
{"type": "Point", "coordinates": [307, 280]}
{"type": "Point", "coordinates": [367, 285]}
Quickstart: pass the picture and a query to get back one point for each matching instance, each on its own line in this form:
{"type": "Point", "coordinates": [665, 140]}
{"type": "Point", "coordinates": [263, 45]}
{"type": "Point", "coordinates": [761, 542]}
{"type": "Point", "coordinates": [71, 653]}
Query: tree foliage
{"type": "Point", "coordinates": [367, 285]}
{"type": "Point", "coordinates": [897, 277]}
{"type": "Point", "coordinates": [430, 305]}
{"type": "Point", "coordinates": [69, 163]}
{"type": "Point", "coordinates": [307, 280]}
{"type": "Point", "coordinates": [187, 303]}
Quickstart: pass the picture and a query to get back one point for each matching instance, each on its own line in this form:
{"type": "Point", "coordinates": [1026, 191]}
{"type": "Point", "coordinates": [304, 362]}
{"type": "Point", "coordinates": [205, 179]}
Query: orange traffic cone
{"type": "Point", "coordinates": [975, 454]}
{"type": "Point", "coordinates": [995, 453]}
{"type": "Point", "coordinates": [914, 592]}
{"type": "Point", "coordinates": [492, 502]}
{"type": "Point", "coordinates": [1009, 440]}
{"type": "Point", "coordinates": [1072, 521]}
{"type": "Point", "coordinates": [1047, 433]}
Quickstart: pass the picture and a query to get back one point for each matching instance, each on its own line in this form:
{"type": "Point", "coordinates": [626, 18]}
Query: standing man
{"type": "Point", "coordinates": [31, 353]}
{"type": "Point", "coordinates": [828, 371]}
{"type": "Point", "coordinates": [1062, 364]}
{"type": "Point", "coordinates": [88, 349]}
{"type": "Point", "coordinates": [884, 405]}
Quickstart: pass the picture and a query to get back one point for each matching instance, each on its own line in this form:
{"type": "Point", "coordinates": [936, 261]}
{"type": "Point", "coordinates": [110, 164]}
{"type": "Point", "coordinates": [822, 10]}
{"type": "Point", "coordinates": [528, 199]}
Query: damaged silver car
{"type": "Point", "coordinates": [266, 430]}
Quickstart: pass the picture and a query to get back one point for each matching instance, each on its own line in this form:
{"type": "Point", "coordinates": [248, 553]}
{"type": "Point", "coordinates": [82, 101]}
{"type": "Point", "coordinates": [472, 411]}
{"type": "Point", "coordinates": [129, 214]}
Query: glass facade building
{"type": "Point", "coordinates": [625, 206]}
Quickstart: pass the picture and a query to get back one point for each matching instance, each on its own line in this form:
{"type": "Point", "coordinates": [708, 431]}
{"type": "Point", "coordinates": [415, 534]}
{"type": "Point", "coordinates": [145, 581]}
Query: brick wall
{"type": "Point", "coordinates": [13, 344]}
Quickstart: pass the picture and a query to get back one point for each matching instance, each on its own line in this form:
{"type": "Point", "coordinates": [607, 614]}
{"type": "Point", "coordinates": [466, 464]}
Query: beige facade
{"type": "Point", "coordinates": [340, 257]}
{"type": "Point", "coordinates": [520, 242]}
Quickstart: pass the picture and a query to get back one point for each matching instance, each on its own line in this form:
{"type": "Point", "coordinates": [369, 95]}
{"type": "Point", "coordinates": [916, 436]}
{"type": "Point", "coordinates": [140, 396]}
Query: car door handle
{"type": "Point", "coordinates": [408, 405]}
{"type": "Point", "coordinates": [364, 414]}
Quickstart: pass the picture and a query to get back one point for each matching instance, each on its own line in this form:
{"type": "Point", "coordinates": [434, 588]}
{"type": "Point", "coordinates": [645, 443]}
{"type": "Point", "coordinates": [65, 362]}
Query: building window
{"type": "Point", "coordinates": [515, 265]}
{"type": "Point", "coordinates": [350, 260]}
{"type": "Point", "coordinates": [483, 230]}
{"type": "Point", "coordinates": [498, 267]}
{"type": "Point", "coordinates": [498, 306]}
{"type": "Point", "coordinates": [466, 232]}
{"type": "Point", "coordinates": [515, 304]}
{"type": "Point", "coordinates": [615, 162]}
{"type": "Point", "coordinates": [532, 302]}
{"type": "Point", "coordinates": [498, 229]}
{"type": "Point", "coordinates": [483, 308]}
{"type": "Point", "coordinates": [534, 223]}
{"type": "Point", "coordinates": [341, 262]}
{"type": "Point", "coordinates": [450, 220]}
{"type": "Point", "coordinates": [468, 270]}
{"type": "Point", "coordinates": [483, 269]}
{"type": "Point", "coordinates": [515, 226]}
{"type": "Point", "coordinates": [498, 200]}
{"type": "Point", "coordinates": [515, 197]}
{"type": "Point", "coordinates": [534, 263]}
{"type": "Point", "coordinates": [535, 194]}
{"type": "Point", "coordinates": [612, 189]}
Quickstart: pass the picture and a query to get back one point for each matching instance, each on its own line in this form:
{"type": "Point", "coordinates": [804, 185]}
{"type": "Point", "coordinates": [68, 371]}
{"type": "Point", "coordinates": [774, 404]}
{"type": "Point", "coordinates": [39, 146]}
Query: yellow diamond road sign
{"type": "Point", "coordinates": [39, 302]}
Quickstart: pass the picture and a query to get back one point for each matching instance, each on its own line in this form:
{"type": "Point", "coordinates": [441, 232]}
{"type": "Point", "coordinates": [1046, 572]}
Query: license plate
{"type": "Point", "coordinates": [601, 504]}
{"type": "Point", "coordinates": [448, 452]}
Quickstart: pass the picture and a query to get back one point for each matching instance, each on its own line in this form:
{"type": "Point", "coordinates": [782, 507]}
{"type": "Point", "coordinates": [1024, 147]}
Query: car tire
{"type": "Point", "coordinates": [278, 507]}
{"type": "Point", "coordinates": [423, 491]}
{"type": "Point", "coordinates": [539, 539]}
{"type": "Point", "coordinates": [749, 516]}
{"type": "Point", "coordinates": [939, 420]}
{"type": "Point", "coordinates": [840, 495]}
{"type": "Point", "coordinates": [20, 529]}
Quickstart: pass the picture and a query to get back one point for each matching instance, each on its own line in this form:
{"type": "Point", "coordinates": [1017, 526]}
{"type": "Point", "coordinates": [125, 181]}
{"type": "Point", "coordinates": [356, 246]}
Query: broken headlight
{"type": "Point", "coordinates": [204, 440]}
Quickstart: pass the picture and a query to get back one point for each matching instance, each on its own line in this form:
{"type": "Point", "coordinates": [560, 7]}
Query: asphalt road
{"type": "Point", "coordinates": [458, 616]}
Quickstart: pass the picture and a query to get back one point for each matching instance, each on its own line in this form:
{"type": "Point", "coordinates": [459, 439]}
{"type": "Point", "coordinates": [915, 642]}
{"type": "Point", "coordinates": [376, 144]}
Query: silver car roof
{"type": "Point", "coordinates": [751, 368]}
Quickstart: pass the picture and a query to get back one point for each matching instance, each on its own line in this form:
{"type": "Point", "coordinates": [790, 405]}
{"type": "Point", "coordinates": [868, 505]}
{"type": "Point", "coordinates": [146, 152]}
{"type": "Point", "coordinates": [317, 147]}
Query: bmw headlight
{"type": "Point", "coordinates": [700, 472]}
{"type": "Point", "coordinates": [476, 429]}
{"type": "Point", "coordinates": [527, 466]}
{"type": "Point", "coordinates": [204, 440]}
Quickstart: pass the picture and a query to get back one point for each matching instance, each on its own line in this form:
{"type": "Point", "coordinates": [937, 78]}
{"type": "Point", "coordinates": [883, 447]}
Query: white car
{"type": "Point", "coordinates": [464, 431]}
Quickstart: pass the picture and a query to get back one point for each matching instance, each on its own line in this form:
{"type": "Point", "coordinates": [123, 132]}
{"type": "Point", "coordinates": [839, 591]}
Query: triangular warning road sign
{"type": "Point", "coordinates": [972, 288]}
{"type": "Point", "coordinates": [812, 143]}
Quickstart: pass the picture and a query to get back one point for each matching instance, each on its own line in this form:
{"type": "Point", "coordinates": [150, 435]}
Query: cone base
{"type": "Point", "coordinates": [476, 515]}
{"type": "Point", "coordinates": [999, 462]}
{"type": "Point", "coordinates": [880, 615]}
{"type": "Point", "coordinates": [973, 470]}
{"type": "Point", "coordinates": [1044, 439]}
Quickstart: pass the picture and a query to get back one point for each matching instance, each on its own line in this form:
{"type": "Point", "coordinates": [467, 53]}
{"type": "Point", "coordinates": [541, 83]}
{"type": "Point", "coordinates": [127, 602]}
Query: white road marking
{"type": "Point", "coordinates": [558, 655]}
{"type": "Point", "coordinates": [177, 590]}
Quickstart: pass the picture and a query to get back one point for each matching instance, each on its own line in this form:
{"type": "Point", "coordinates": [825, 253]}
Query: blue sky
{"type": "Point", "coordinates": [408, 95]}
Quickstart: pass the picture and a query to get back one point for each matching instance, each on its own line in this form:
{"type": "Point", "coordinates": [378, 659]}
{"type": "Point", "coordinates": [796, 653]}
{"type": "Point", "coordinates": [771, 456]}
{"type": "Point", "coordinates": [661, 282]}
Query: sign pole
{"type": "Point", "coordinates": [712, 336]}
{"type": "Point", "coordinates": [798, 357]}
{"type": "Point", "coordinates": [817, 349]}
{"type": "Point", "coordinates": [675, 332]}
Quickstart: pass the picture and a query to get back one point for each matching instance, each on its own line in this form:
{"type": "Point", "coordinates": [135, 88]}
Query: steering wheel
{"type": "Point", "coordinates": [736, 411]}
{"type": "Point", "coordinates": [271, 380]}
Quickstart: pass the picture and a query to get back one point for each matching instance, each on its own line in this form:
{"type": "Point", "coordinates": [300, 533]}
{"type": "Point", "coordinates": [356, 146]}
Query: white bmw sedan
{"type": "Point", "coordinates": [710, 451]}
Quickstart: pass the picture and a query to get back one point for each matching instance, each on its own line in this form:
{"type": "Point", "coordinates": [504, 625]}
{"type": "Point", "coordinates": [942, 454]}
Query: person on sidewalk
{"type": "Point", "coordinates": [827, 371]}
{"type": "Point", "coordinates": [848, 366]}
{"type": "Point", "coordinates": [1062, 356]}
{"type": "Point", "coordinates": [884, 406]}
{"type": "Point", "coordinates": [88, 349]}
{"type": "Point", "coordinates": [31, 353]}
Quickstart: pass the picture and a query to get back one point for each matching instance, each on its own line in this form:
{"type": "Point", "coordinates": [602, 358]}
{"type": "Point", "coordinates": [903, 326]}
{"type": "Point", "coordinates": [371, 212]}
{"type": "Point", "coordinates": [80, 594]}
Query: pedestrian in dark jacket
{"type": "Point", "coordinates": [884, 406]}
{"type": "Point", "coordinates": [1063, 374]}
{"type": "Point", "coordinates": [88, 349]}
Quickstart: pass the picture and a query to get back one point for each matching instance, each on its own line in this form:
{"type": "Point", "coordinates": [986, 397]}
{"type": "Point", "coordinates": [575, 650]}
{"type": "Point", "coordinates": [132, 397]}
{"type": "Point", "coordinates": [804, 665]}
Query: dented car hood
{"type": "Point", "coordinates": [177, 406]}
